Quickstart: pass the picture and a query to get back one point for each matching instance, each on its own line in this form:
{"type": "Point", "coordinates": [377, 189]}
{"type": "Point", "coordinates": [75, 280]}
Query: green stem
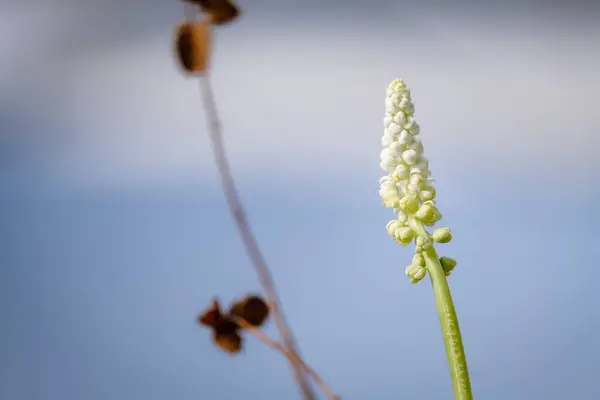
{"type": "Point", "coordinates": [448, 320]}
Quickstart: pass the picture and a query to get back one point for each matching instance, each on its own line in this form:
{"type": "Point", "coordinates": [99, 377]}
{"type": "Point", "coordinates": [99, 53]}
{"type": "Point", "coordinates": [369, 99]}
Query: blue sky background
{"type": "Point", "coordinates": [115, 234]}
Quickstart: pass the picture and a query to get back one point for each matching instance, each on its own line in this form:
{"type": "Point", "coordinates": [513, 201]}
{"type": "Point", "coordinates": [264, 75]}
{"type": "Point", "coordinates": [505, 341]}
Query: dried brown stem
{"type": "Point", "coordinates": [250, 243]}
{"type": "Point", "coordinates": [292, 357]}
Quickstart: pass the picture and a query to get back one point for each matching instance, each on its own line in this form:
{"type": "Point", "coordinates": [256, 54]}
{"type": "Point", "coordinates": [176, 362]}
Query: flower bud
{"type": "Point", "coordinates": [396, 149]}
{"type": "Point", "coordinates": [418, 259]}
{"type": "Point", "coordinates": [404, 102]}
{"type": "Point", "coordinates": [404, 235]}
{"type": "Point", "coordinates": [442, 235]}
{"type": "Point", "coordinates": [409, 203]}
{"type": "Point", "coordinates": [427, 193]}
{"type": "Point", "coordinates": [394, 129]}
{"type": "Point", "coordinates": [392, 226]}
{"type": "Point", "coordinates": [415, 129]}
{"type": "Point", "coordinates": [416, 145]}
{"type": "Point", "coordinates": [427, 212]}
{"type": "Point", "coordinates": [411, 269]}
{"type": "Point", "coordinates": [388, 164]}
{"type": "Point", "coordinates": [410, 156]}
{"type": "Point", "coordinates": [401, 172]}
{"type": "Point", "coordinates": [404, 138]}
{"type": "Point", "coordinates": [410, 123]}
{"type": "Point", "coordinates": [402, 216]}
{"type": "Point", "coordinates": [420, 274]}
{"type": "Point", "coordinates": [415, 179]}
{"type": "Point", "coordinates": [400, 119]}
{"type": "Point", "coordinates": [387, 120]}
{"type": "Point", "coordinates": [448, 264]}
{"type": "Point", "coordinates": [412, 189]}
{"type": "Point", "coordinates": [422, 243]}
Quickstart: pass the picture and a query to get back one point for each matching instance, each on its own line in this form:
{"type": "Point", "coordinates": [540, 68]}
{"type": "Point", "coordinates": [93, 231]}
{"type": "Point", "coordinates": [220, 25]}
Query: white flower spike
{"type": "Point", "coordinates": [408, 188]}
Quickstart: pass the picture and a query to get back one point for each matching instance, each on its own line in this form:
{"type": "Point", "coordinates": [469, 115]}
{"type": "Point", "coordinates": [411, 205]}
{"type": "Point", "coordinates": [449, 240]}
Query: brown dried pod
{"type": "Point", "coordinates": [212, 316]}
{"type": "Point", "coordinates": [221, 11]}
{"type": "Point", "coordinates": [252, 309]}
{"type": "Point", "coordinates": [192, 44]}
{"type": "Point", "coordinates": [230, 342]}
{"type": "Point", "coordinates": [225, 333]}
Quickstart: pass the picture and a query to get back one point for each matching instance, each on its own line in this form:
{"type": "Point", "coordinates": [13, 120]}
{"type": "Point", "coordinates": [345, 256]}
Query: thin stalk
{"type": "Point", "coordinates": [292, 357]}
{"type": "Point", "coordinates": [250, 243]}
{"type": "Point", "coordinates": [455, 351]}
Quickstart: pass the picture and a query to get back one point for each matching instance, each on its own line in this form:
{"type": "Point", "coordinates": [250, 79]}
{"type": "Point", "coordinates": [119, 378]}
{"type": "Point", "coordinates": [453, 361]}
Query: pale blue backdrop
{"type": "Point", "coordinates": [114, 233]}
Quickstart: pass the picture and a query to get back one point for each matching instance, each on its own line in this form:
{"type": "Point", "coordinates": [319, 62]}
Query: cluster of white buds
{"type": "Point", "coordinates": [408, 186]}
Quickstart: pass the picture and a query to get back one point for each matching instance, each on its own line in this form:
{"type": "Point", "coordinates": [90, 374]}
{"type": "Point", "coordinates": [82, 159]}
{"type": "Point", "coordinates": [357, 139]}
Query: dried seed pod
{"type": "Point", "coordinates": [252, 309]}
{"type": "Point", "coordinates": [212, 316]}
{"type": "Point", "coordinates": [192, 43]}
{"type": "Point", "coordinates": [221, 11]}
{"type": "Point", "coordinates": [230, 342]}
{"type": "Point", "coordinates": [225, 332]}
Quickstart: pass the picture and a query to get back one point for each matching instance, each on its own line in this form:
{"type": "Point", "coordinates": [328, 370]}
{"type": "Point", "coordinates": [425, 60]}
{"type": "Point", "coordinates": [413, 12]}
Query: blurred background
{"type": "Point", "coordinates": [114, 232]}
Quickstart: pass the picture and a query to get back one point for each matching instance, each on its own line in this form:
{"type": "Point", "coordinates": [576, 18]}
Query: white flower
{"type": "Point", "coordinates": [408, 185]}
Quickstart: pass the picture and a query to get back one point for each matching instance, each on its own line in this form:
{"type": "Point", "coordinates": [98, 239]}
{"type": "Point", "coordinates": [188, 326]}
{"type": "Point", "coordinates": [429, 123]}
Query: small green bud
{"type": "Point", "coordinates": [441, 235]}
{"type": "Point", "coordinates": [448, 264]}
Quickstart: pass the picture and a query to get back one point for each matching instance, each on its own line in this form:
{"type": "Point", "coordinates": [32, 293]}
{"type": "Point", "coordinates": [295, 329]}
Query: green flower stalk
{"type": "Point", "coordinates": [408, 189]}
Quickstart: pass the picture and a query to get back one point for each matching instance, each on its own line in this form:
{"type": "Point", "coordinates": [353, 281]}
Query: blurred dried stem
{"type": "Point", "coordinates": [292, 357]}
{"type": "Point", "coordinates": [237, 211]}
